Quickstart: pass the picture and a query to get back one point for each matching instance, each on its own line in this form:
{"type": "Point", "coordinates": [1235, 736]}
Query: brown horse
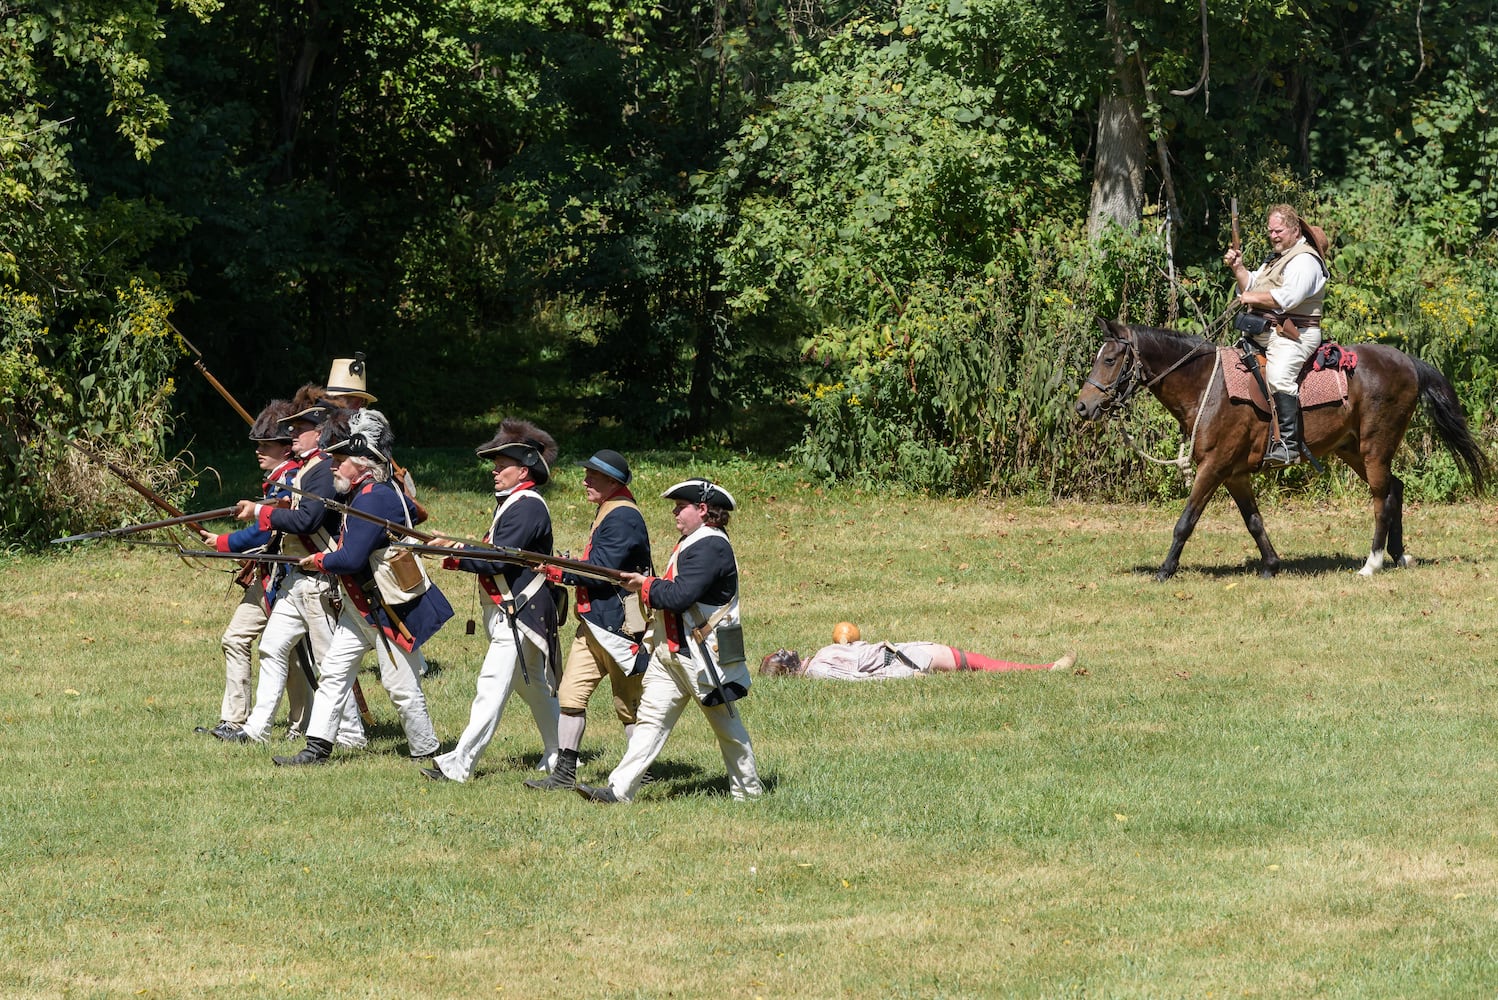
{"type": "Point", "coordinates": [1228, 439]}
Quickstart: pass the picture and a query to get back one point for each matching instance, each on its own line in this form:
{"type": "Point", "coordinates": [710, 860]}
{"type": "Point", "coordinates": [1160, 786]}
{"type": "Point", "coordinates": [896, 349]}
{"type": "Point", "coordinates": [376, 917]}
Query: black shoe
{"type": "Point", "coordinates": [207, 730]}
{"type": "Point", "coordinates": [315, 752]}
{"type": "Point", "coordinates": [604, 795]}
{"type": "Point", "coordinates": [434, 774]}
{"type": "Point", "coordinates": [230, 733]}
{"type": "Point", "coordinates": [562, 777]}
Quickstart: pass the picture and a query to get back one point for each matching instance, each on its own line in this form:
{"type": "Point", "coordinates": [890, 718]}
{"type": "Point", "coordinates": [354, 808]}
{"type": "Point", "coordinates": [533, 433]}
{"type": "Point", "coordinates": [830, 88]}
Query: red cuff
{"type": "Point", "coordinates": [262, 519]}
{"type": "Point", "coordinates": [450, 562]}
{"type": "Point", "coordinates": [317, 560]}
{"type": "Point", "coordinates": [645, 590]}
{"type": "Point", "coordinates": [553, 573]}
{"type": "Point", "coordinates": [220, 543]}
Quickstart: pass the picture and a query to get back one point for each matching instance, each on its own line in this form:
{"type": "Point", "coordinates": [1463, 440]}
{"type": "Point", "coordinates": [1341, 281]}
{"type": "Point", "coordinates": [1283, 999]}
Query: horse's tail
{"type": "Point", "coordinates": [1451, 423]}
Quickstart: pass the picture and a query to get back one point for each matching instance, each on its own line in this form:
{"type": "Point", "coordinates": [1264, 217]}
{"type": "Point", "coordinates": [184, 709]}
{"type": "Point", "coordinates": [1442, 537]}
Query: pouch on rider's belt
{"type": "Point", "coordinates": [1251, 323]}
{"type": "Point", "coordinates": [729, 643]}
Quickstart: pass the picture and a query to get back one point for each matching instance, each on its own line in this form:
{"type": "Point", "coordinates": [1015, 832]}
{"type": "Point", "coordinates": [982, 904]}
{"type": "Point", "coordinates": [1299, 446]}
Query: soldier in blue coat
{"type": "Point", "coordinates": [520, 613]}
{"type": "Point", "coordinates": [388, 603]}
{"type": "Point", "coordinates": [610, 620]}
{"type": "Point", "coordinates": [261, 581]}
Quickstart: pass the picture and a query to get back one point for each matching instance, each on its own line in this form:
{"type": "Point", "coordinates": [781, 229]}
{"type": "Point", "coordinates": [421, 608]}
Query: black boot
{"type": "Point", "coordinates": [1285, 451]}
{"type": "Point", "coordinates": [315, 752]}
{"type": "Point", "coordinates": [562, 777]}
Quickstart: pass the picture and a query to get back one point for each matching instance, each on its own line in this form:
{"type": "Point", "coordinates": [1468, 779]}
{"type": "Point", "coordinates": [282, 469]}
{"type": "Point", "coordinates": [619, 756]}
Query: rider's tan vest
{"type": "Point", "coordinates": [1272, 277]}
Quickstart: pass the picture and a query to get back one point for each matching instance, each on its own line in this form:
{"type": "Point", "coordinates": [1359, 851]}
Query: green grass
{"type": "Point", "coordinates": [1254, 788]}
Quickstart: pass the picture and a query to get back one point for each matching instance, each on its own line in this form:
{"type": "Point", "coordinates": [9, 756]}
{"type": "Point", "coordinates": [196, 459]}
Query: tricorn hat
{"type": "Point", "coordinates": [347, 378]}
{"type": "Point", "coordinates": [271, 424]}
{"type": "Point", "coordinates": [701, 491]}
{"type": "Point", "coordinates": [523, 442]}
{"type": "Point", "coordinates": [610, 463]}
{"type": "Point", "coordinates": [369, 436]}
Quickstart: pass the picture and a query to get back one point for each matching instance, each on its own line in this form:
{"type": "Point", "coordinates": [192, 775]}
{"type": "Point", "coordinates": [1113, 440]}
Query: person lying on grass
{"type": "Point", "coordinates": [849, 658]}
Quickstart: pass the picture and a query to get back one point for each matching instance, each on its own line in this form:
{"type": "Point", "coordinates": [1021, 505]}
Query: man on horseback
{"type": "Point", "coordinates": [1286, 292]}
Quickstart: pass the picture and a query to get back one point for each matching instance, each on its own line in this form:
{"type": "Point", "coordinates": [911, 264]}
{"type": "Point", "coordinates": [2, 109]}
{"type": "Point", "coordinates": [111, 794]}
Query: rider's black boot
{"type": "Point", "coordinates": [1285, 451]}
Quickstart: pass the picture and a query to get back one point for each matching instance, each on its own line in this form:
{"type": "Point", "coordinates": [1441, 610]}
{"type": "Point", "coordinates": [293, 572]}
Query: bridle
{"type": "Point", "coordinates": [1135, 376]}
{"type": "Point", "coordinates": [1118, 393]}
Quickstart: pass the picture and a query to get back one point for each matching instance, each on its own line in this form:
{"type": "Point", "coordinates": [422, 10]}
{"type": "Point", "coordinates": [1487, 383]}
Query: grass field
{"type": "Point", "coordinates": [1251, 788]}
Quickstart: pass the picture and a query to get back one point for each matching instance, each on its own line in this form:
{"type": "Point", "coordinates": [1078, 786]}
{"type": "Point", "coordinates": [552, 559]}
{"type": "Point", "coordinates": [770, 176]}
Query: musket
{"type": "Point", "coordinates": [260, 557]}
{"type": "Point", "coordinates": [130, 529]}
{"type": "Point", "coordinates": [1237, 243]}
{"type": "Point", "coordinates": [197, 362]}
{"type": "Point", "coordinates": [519, 557]}
{"type": "Point", "coordinates": [471, 549]}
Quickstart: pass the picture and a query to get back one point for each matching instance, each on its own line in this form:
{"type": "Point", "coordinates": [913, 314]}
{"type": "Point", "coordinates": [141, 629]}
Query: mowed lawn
{"type": "Point", "coordinates": [1279, 788]}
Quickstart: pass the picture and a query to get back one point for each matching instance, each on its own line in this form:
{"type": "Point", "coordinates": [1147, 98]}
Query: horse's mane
{"type": "Point", "coordinates": [1166, 340]}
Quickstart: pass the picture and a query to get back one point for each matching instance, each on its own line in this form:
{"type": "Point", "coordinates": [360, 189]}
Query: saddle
{"type": "Point", "coordinates": [1323, 380]}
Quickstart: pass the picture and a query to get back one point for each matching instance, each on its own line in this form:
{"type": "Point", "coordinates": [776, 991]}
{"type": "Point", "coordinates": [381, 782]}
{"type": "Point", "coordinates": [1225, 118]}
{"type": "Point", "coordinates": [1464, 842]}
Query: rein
{"type": "Point", "coordinates": [1116, 398]}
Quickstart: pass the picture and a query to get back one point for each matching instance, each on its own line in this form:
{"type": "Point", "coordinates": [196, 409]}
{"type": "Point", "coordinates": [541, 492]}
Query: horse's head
{"type": "Point", "coordinates": [1115, 375]}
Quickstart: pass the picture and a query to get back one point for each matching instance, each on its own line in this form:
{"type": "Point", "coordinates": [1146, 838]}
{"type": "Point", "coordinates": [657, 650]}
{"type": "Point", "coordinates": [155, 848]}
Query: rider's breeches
{"type": "Point", "coordinates": [1284, 358]}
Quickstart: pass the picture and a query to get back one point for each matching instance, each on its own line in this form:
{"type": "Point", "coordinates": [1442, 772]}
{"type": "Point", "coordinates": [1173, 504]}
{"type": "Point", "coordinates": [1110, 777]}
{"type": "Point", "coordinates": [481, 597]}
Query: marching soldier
{"type": "Point", "coordinates": [387, 603]}
{"type": "Point", "coordinates": [611, 621]}
{"type": "Point", "coordinates": [261, 581]}
{"type": "Point", "coordinates": [520, 614]}
{"type": "Point", "coordinates": [304, 606]}
{"type": "Point", "coordinates": [698, 646]}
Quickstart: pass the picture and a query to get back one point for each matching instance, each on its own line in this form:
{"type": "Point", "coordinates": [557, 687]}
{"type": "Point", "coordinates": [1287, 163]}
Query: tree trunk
{"type": "Point", "coordinates": [1118, 173]}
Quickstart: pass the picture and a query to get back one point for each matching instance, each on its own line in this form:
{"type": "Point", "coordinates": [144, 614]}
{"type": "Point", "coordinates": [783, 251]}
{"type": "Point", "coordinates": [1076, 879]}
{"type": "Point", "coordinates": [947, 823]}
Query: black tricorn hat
{"type": "Point", "coordinates": [271, 424]}
{"type": "Point", "coordinates": [701, 491]}
{"type": "Point", "coordinates": [610, 463]}
{"type": "Point", "coordinates": [525, 443]}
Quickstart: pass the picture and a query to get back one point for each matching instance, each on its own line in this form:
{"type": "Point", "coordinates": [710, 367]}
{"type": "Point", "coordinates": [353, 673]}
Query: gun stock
{"type": "Point", "coordinates": [218, 386]}
{"type": "Point", "coordinates": [1237, 243]}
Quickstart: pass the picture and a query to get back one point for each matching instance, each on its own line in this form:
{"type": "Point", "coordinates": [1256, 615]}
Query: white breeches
{"type": "Point", "coordinates": [501, 675]}
{"type": "Point", "coordinates": [400, 673]}
{"type": "Point", "coordinates": [301, 609]}
{"type": "Point", "coordinates": [667, 692]}
{"type": "Point", "coordinates": [1284, 358]}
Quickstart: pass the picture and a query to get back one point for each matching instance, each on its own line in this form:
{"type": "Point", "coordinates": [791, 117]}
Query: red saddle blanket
{"type": "Point", "coordinates": [1319, 386]}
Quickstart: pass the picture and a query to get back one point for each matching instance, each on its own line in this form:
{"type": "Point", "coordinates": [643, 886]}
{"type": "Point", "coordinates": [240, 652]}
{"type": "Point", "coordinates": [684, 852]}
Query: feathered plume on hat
{"type": "Point", "coordinates": [369, 436]}
{"type": "Point", "coordinates": [271, 425]}
{"type": "Point", "coordinates": [524, 442]}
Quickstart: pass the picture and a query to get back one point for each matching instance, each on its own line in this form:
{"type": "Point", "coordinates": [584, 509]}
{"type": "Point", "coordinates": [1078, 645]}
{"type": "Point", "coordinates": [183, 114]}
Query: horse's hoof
{"type": "Point", "coordinates": [1266, 573]}
{"type": "Point", "coordinates": [1163, 576]}
{"type": "Point", "coordinates": [1405, 561]}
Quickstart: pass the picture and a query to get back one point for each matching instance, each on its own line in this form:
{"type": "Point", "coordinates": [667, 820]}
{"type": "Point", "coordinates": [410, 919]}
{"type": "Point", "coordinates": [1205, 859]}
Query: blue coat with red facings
{"type": "Point", "coordinates": [310, 514]}
{"type": "Point", "coordinates": [253, 536]}
{"type": "Point", "coordinates": [350, 563]}
{"type": "Point", "coordinates": [620, 541]}
{"type": "Point", "coordinates": [521, 521]}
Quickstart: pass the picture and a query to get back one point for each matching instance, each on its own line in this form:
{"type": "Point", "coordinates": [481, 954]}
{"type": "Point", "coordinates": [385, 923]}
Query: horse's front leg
{"type": "Point", "coordinates": [1242, 491]}
{"type": "Point", "coordinates": [1207, 481]}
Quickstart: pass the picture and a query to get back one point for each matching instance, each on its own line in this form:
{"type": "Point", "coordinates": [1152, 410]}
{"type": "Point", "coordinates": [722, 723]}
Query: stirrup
{"type": "Point", "coordinates": [1277, 456]}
